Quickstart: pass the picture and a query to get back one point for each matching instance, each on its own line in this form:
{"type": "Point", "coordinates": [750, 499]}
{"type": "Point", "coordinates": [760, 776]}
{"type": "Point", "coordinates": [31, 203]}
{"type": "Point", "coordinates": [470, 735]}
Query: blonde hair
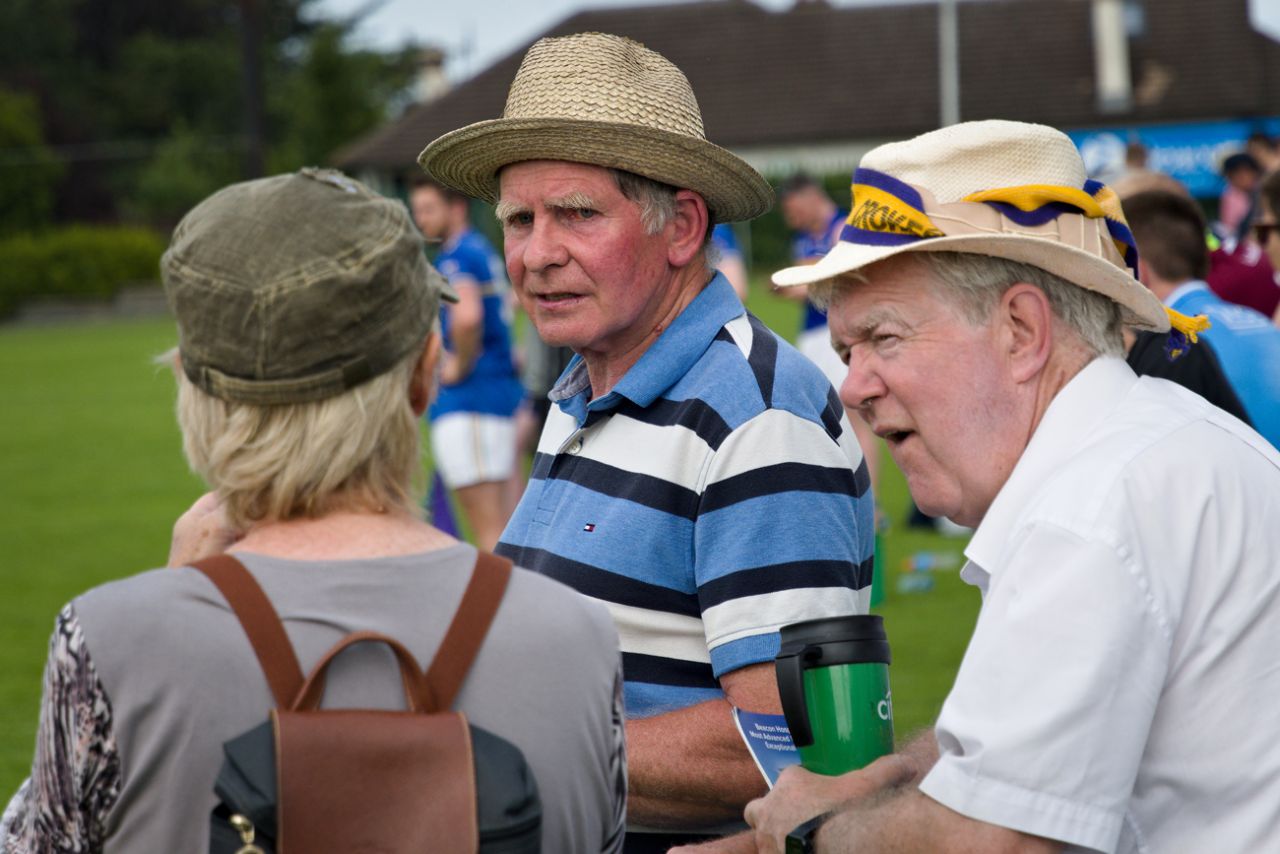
{"type": "Point", "coordinates": [357, 450]}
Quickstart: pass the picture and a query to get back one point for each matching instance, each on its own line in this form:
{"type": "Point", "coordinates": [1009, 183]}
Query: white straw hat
{"type": "Point", "coordinates": [1007, 189]}
{"type": "Point", "coordinates": [603, 100]}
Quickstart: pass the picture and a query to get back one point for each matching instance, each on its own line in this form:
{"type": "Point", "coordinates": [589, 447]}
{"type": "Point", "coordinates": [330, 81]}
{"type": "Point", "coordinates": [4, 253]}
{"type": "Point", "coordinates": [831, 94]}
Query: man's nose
{"type": "Point", "coordinates": [862, 383]}
{"type": "Point", "coordinates": [544, 247]}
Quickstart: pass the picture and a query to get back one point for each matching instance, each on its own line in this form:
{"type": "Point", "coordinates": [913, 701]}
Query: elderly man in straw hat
{"type": "Point", "coordinates": [1120, 687]}
{"type": "Point", "coordinates": [696, 474]}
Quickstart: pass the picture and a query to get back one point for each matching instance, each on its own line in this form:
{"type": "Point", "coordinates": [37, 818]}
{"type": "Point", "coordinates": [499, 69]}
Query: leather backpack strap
{"type": "Point", "coordinates": [260, 622]}
{"type": "Point", "coordinates": [470, 624]}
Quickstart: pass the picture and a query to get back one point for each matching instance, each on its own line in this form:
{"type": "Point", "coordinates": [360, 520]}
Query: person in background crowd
{"type": "Point", "coordinates": [1239, 270]}
{"type": "Point", "coordinates": [729, 260]}
{"type": "Point", "coordinates": [1243, 275]}
{"type": "Point", "coordinates": [1137, 176]}
{"type": "Point", "coordinates": [1264, 229]}
{"type": "Point", "coordinates": [1118, 692]}
{"type": "Point", "coordinates": [684, 433]}
{"type": "Point", "coordinates": [1172, 263]}
{"type": "Point", "coordinates": [816, 222]}
{"type": "Point", "coordinates": [307, 353]}
{"type": "Point", "coordinates": [1153, 354]}
{"type": "Point", "coordinates": [1236, 204]}
{"type": "Point", "coordinates": [1164, 354]}
{"type": "Point", "coordinates": [1264, 150]}
{"type": "Point", "coordinates": [473, 420]}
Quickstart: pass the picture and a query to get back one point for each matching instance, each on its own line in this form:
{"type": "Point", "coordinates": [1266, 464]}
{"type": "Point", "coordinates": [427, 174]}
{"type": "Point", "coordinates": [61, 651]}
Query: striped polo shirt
{"type": "Point", "coordinates": [715, 494]}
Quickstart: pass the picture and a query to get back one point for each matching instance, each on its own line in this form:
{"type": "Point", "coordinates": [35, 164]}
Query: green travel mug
{"type": "Point", "coordinates": [833, 677]}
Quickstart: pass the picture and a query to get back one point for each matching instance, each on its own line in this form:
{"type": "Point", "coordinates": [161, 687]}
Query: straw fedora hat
{"type": "Point", "coordinates": [1007, 189]}
{"type": "Point", "coordinates": [603, 100]}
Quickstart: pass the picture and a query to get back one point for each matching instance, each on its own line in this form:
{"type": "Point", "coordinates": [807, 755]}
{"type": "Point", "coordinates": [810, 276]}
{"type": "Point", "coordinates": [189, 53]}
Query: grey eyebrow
{"type": "Point", "coordinates": [877, 316]}
{"type": "Point", "coordinates": [574, 201]}
{"type": "Point", "coordinates": [505, 210]}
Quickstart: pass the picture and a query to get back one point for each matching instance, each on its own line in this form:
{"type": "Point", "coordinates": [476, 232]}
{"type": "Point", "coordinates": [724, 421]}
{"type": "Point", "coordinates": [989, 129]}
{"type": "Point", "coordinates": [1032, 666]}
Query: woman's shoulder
{"type": "Point", "coordinates": [549, 605]}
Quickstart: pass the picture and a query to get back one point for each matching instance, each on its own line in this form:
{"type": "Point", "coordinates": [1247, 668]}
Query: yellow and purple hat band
{"type": "Point", "coordinates": [889, 212]}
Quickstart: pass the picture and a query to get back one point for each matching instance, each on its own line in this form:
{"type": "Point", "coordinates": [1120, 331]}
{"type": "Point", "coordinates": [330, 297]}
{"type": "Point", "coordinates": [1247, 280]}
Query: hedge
{"type": "Point", "coordinates": [75, 261]}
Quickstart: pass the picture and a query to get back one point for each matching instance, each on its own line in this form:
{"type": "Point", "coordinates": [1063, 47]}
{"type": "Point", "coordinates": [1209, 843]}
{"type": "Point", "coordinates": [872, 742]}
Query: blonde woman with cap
{"type": "Point", "coordinates": [307, 350]}
{"type": "Point", "coordinates": [696, 474]}
{"type": "Point", "coordinates": [1119, 691]}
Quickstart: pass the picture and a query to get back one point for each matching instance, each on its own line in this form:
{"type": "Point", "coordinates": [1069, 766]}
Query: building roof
{"type": "Point", "coordinates": [816, 73]}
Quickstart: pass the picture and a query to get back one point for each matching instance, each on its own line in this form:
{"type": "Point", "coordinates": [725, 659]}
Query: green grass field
{"type": "Point", "coordinates": [92, 477]}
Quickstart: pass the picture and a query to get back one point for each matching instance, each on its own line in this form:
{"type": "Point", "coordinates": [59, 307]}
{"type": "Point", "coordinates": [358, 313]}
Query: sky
{"type": "Point", "coordinates": [477, 33]}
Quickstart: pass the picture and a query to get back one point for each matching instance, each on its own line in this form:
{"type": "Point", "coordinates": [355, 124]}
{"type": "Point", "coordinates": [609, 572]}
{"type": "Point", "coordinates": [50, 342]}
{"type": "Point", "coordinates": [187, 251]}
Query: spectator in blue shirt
{"type": "Point", "coordinates": [1172, 262]}
{"type": "Point", "coordinates": [729, 260]}
{"type": "Point", "coordinates": [473, 425]}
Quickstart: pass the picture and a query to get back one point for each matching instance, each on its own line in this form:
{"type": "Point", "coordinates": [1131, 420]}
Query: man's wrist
{"type": "Point", "coordinates": [802, 839]}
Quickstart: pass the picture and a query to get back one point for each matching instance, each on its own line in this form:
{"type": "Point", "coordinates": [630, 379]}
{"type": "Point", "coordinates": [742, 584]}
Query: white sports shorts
{"type": "Point", "coordinates": [815, 345]}
{"type": "Point", "coordinates": [470, 448]}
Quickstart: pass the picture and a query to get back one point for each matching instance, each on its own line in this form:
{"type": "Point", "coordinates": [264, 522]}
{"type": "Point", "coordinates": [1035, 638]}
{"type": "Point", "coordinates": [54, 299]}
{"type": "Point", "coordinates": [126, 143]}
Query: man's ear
{"type": "Point", "coordinates": [688, 228]}
{"type": "Point", "coordinates": [1144, 271]}
{"type": "Point", "coordinates": [1026, 324]}
{"type": "Point", "coordinates": [422, 386]}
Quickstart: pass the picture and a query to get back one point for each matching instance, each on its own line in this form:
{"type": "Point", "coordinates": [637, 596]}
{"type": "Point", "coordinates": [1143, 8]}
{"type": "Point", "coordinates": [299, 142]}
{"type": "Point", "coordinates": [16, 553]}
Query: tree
{"type": "Point", "coordinates": [145, 101]}
{"type": "Point", "coordinates": [335, 94]}
{"type": "Point", "coordinates": [28, 170]}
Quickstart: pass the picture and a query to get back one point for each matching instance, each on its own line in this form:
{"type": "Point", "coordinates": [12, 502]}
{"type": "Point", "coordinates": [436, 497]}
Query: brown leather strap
{"type": "Point", "coordinates": [260, 622]}
{"type": "Point", "coordinates": [470, 624]}
{"type": "Point", "coordinates": [417, 694]}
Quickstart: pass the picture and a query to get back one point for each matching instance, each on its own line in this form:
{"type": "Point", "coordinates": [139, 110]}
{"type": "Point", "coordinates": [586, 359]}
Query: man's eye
{"type": "Point", "coordinates": [585, 213]}
{"type": "Point", "coordinates": [519, 219]}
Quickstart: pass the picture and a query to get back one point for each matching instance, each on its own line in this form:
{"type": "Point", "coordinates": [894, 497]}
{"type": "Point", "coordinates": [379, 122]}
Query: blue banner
{"type": "Point", "coordinates": [1192, 153]}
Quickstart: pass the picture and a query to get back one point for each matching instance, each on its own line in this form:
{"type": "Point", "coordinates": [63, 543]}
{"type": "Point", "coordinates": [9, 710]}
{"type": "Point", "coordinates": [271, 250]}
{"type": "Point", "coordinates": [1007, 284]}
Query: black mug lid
{"type": "Point", "coordinates": [852, 627]}
{"type": "Point", "coordinates": [852, 639]}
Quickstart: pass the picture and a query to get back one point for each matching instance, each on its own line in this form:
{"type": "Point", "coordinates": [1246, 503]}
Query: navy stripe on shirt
{"type": "Point", "coordinates": [691, 414]}
{"type": "Point", "coordinates": [660, 670]}
{"type": "Point", "coordinates": [614, 482]}
{"type": "Point", "coordinates": [785, 576]}
{"type": "Point", "coordinates": [832, 414]}
{"type": "Point", "coordinates": [601, 583]}
{"type": "Point", "coordinates": [763, 358]}
{"type": "Point", "coordinates": [784, 477]}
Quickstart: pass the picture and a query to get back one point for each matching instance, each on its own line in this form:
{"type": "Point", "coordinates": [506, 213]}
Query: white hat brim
{"type": "Point", "coordinates": [1139, 307]}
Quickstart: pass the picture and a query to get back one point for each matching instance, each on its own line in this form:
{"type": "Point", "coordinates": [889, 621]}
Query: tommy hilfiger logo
{"type": "Point", "coordinates": [589, 527]}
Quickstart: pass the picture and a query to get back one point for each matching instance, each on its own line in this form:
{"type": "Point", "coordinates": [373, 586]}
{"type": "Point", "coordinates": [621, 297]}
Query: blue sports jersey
{"type": "Point", "coordinates": [725, 241]}
{"type": "Point", "coordinates": [492, 387]}
{"type": "Point", "coordinates": [1248, 347]}
{"type": "Point", "coordinates": [807, 249]}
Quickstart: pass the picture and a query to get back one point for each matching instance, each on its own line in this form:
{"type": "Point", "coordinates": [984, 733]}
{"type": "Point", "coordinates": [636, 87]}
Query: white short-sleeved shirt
{"type": "Point", "coordinates": [1121, 691]}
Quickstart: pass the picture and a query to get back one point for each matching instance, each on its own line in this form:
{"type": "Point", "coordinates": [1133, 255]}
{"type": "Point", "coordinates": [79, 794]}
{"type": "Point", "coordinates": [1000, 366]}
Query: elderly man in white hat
{"type": "Point", "coordinates": [1119, 690]}
{"type": "Point", "coordinates": [697, 474]}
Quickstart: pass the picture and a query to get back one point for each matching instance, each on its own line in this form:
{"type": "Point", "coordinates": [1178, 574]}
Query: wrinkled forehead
{"type": "Point", "coordinates": [551, 174]}
{"type": "Point", "coordinates": [902, 285]}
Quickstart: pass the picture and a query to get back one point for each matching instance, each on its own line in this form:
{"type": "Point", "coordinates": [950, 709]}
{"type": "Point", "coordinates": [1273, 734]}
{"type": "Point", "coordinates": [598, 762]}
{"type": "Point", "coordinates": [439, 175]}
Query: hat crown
{"type": "Point", "coordinates": [297, 287]}
{"type": "Point", "coordinates": [604, 78]}
{"type": "Point", "coordinates": [956, 161]}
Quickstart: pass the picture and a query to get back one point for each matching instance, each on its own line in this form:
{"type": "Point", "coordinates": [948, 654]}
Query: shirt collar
{"type": "Point", "coordinates": [661, 366]}
{"type": "Point", "coordinates": [1080, 406]}
{"type": "Point", "coordinates": [1183, 289]}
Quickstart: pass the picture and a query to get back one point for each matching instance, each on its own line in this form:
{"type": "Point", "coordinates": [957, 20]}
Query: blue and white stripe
{"type": "Point", "coordinates": [713, 496]}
